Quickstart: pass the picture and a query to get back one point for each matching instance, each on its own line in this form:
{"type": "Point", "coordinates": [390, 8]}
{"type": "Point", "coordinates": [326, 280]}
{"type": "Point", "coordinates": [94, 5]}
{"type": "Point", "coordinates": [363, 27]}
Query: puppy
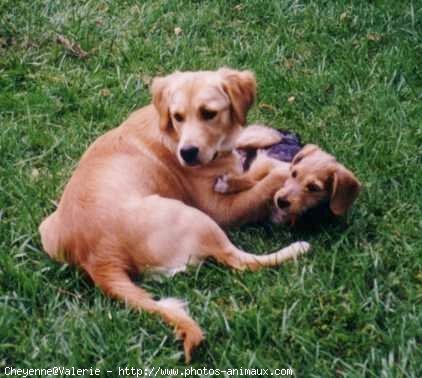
{"type": "Point", "coordinates": [142, 195]}
{"type": "Point", "coordinates": [313, 177]}
{"type": "Point", "coordinates": [316, 177]}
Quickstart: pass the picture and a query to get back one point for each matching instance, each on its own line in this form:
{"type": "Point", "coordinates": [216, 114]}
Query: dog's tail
{"type": "Point", "coordinates": [116, 282]}
{"type": "Point", "coordinates": [50, 237]}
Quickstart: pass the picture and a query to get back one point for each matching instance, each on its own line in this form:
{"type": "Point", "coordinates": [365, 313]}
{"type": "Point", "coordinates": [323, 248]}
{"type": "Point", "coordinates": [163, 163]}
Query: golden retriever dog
{"type": "Point", "coordinates": [312, 178]}
{"type": "Point", "coordinates": [142, 195]}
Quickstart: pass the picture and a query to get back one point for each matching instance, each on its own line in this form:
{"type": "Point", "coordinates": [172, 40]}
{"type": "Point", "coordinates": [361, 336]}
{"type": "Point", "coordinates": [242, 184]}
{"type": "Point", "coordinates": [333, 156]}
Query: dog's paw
{"type": "Point", "coordinates": [301, 247]}
{"type": "Point", "coordinates": [221, 184]}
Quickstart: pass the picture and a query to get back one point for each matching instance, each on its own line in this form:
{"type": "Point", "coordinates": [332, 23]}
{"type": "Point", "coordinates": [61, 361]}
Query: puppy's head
{"type": "Point", "coordinates": [317, 177]}
{"type": "Point", "coordinates": [205, 109]}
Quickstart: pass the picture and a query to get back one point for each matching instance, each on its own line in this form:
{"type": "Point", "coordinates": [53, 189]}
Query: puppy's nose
{"type": "Point", "coordinates": [190, 155]}
{"type": "Point", "coordinates": [282, 203]}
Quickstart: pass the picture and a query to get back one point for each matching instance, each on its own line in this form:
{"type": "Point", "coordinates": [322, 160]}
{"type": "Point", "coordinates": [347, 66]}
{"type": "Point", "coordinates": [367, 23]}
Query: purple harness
{"type": "Point", "coordinates": [285, 150]}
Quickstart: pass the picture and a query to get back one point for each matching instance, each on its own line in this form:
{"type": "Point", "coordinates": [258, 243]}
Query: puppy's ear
{"type": "Point", "coordinates": [345, 189]}
{"type": "Point", "coordinates": [305, 151]}
{"type": "Point", "coordinates": [160, 100]}
{"type": "Point", "coordinates": [257, 136]}
{"type": "Point", "coordinates": [240, 86]}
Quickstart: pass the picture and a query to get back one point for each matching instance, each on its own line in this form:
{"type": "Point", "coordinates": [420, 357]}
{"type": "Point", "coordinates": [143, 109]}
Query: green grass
{"type": "Point", "coordinates": [351, 308]}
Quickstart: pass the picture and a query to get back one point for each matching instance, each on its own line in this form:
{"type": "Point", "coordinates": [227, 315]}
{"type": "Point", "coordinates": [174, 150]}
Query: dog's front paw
{"type": "Point", "coordinates": [221, 184]}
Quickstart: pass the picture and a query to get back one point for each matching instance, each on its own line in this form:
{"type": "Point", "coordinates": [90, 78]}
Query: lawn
{"type": "Point", "coordinates": [344, 75]}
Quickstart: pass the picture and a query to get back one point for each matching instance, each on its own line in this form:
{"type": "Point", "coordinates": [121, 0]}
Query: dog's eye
{"type": "Point", "coordinates": [178, 117]}
{"type": "Point", "coordinates": [207, 114]}
{"type": "Point", "coordinates": [312, 187]}
{"type": "Point", "coordinates": [294, 174]}
{"type": "Point", "coordinates": [297, 159]}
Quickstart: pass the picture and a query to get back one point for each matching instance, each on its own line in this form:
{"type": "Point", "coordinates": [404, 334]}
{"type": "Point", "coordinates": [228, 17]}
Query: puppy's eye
{"type": "Point", "coordinates": [178, 117]}
{"type": "Point", "coordinates": [207, 114]}
{"type": "Point", "coordinates": [297, 159]}
{"type": "Point", "coordinates": [312, 187]}
{"type": "Point", "coordinates": [294, 174]}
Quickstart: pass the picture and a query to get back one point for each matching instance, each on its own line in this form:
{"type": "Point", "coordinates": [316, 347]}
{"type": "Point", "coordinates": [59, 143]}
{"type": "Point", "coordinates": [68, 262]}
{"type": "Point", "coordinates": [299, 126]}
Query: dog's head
{"type": "Point", "coordinates": [205, 109]}
{"type": "Point", "coordinates": [317, 177]}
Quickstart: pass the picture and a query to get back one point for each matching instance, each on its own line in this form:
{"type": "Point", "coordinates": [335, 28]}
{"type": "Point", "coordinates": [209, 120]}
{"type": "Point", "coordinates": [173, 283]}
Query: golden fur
{"type": "Point", "coordinates": [313, 177]}
{"type": "Point", "coordinates": [134, 203]}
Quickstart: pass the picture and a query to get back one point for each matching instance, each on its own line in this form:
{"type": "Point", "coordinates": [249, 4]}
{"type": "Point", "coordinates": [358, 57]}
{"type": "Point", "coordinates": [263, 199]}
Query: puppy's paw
{"type": "Point", "coordinates": [279, 216]}
{"type": "Point", "coordinates": [221, 184]}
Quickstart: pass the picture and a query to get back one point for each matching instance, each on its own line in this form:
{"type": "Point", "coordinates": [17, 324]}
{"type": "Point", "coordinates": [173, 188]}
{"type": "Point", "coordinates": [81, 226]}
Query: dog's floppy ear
{"type": "Point", "coordinates": [305, 151]}
{"type": "Point", "coordinates": [240, 86]}
{"type": "Point", "coordinates": [160, 100]}
{"type": "Point", "coordinates": [345, 189]}
{"type": "Point", "coordinates": [257, 136]}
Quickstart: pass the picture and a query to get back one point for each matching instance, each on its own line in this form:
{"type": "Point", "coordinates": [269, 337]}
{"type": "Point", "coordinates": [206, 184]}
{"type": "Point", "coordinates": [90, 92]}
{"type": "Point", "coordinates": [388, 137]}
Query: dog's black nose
{"type": "Point", "coordinates": [282, 203]}
{"type": "Point", "coordinates": [190, 155]}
